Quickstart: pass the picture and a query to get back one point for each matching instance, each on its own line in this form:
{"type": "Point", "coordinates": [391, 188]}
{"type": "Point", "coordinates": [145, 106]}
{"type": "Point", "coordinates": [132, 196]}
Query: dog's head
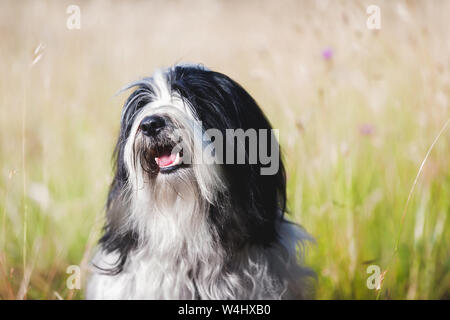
{"type": "Point", "coordinates": [194, 140]}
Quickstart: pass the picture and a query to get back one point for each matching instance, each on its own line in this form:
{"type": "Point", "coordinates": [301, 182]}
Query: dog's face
{"type": "Point", "coordinates": [154, 144]}
{"type": "Point", "coordinates": [158, 141]}
{"type": "Point", "coordinates": [162, 149]}
{"type": "Point", "coordinates": [181, 153]}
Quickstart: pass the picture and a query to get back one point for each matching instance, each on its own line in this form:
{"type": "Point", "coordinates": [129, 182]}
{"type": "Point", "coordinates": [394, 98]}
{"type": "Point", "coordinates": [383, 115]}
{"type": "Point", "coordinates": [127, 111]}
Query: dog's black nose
{"type": "Point", "coordinates": [152, 125]}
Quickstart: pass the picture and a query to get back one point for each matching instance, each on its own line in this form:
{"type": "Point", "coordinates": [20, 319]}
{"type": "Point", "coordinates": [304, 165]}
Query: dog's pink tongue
{"type": "Point", "coordinates": [166, 160]}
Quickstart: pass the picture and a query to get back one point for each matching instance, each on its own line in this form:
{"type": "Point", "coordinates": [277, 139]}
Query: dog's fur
{"type": "Point", "coordinates": [201, 231]}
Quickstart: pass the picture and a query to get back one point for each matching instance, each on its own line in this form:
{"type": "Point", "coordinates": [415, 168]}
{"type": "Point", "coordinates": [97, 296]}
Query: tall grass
{"type": "Point", "coordinates": [357, 111]}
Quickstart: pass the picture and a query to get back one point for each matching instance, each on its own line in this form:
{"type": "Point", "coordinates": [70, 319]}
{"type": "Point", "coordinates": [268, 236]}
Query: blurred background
{"type": "Point", "coordinates": [357, 110]}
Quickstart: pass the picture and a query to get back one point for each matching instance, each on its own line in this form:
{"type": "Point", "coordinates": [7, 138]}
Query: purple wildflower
{"type": "Point", "coordinates": [327, 53]}
{"type": "Point", "coordinates": [366, 129]}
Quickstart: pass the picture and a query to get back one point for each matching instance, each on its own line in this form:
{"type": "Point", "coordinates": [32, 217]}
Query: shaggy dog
{"type": "Point", "coordinates": [196, 207]}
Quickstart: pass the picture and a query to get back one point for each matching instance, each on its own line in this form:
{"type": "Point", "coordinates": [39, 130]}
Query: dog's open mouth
{"type": "Point", "coordinates": [167, 159]}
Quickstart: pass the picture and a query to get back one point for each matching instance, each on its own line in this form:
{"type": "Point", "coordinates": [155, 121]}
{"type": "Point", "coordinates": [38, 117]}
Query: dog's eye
{"type": "Point", "coordinates": [141, 103]}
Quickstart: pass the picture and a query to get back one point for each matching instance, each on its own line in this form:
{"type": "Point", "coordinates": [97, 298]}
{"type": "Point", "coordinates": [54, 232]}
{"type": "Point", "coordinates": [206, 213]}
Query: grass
{"type": "Point", "coordinates": [355, 129]}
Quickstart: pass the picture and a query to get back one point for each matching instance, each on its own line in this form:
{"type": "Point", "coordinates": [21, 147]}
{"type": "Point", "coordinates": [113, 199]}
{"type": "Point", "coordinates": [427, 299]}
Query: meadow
{"type": "Point", "coordinates": [363, 119]}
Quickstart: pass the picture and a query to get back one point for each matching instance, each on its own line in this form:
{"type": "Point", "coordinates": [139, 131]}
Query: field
{"type": "Point", "coordinates": [358, 112]}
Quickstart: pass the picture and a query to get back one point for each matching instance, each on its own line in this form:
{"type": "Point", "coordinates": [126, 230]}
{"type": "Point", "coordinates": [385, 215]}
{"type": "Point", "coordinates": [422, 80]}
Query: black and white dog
{"type": "Point", "coordinates": [196, 208]}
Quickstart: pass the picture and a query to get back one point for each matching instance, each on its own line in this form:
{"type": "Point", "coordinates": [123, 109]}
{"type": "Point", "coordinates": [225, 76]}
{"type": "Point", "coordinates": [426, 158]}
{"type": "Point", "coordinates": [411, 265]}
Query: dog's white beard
{"type": "Point", "coordinates": [177, 241]}
{"type": "Point", "coordinates": [180, 255]}
{"type": "Point", "coordinates": [181, 258]}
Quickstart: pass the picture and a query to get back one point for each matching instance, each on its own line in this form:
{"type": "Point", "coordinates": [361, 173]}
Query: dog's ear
{"type": "Point", "coordinates": [116, 237]}
{"type": "Point", "coordinates": [260, 192]}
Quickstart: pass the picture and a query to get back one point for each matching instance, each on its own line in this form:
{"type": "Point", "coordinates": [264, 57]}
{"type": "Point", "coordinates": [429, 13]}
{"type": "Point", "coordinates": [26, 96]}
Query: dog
{"type": "Point", "coordinates": [189, 216]}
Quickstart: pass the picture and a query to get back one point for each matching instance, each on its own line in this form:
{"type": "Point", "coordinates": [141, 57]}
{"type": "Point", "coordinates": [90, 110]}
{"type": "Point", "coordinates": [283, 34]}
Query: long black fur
{"type": "Point", "coordinates": [220, 103]}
